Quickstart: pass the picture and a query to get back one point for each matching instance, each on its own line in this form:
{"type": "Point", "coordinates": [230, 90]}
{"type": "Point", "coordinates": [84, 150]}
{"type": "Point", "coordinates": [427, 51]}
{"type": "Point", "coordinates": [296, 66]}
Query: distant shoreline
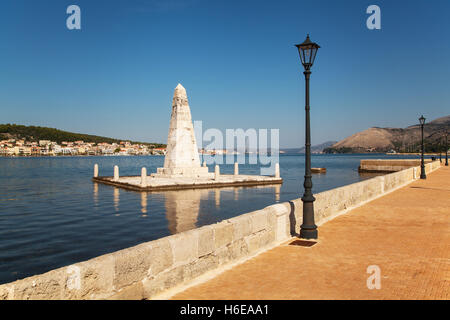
{"type": "Point", "coordinates": [84, 155]}
{"type": "Point", "coordinates": [159, 155]}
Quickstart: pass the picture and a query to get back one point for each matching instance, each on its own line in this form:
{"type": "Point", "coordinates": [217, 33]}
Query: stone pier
{"type": "Point", "coordinates": [388, 165]}
{"type": "Point", "coordinates": [404, 235]}
{"type": "Point", "coordinates": [234, 253]}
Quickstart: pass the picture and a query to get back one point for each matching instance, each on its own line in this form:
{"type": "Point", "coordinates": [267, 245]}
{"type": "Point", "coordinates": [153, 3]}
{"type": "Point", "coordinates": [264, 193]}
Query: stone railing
{"type": "Point", "coordinates": [150, 269]}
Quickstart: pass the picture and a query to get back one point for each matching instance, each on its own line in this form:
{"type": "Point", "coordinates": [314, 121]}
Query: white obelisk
{"type": "Point", "coordinates": [182, 157]}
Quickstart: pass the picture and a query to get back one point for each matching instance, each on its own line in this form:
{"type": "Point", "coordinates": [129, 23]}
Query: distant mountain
{"type": "Point", "coordinates": [314, 149]}
{"type": "Point", "coordinates": [394, 139]}
{"type": "Point", "coordinates": [32, 133]}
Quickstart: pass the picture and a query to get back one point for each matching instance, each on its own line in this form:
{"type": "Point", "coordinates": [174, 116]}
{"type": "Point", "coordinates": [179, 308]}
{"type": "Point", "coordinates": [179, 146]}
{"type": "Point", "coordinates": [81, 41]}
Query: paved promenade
{"type": "Point", "coordinates": [405, 233]}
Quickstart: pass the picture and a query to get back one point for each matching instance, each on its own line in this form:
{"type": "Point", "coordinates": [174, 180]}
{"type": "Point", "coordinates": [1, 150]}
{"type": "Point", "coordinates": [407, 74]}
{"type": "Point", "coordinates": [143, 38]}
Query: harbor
{"type": "Point", "coordinates": [162, 268]}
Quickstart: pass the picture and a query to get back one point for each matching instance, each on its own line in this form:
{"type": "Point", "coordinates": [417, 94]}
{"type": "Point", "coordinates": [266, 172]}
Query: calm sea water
{"type": "Point", "coordinates": [52, 214]}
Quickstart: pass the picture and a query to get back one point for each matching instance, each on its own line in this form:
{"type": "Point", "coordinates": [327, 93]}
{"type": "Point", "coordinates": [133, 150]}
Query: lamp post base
{"type": "Point", "coordinates": [308, 233]}
{"type": "Point", "coordinates": [422, 174]}
{"type": "Point", "coordinates": [308, 228]}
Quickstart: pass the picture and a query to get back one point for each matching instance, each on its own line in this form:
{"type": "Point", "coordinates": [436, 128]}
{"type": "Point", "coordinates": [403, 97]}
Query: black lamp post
{"type": "Point", "coordinates": [446, 148]}
{"type": "Point", "coordinates": [422, 165]}
{"type": "Point", "coordinates": [308, 229]}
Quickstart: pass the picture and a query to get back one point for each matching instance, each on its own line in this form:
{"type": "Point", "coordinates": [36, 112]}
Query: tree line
{"type": "Point", "coordinates": [33, 133]}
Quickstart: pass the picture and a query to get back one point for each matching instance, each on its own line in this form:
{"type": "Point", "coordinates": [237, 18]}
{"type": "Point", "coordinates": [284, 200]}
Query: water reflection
{"type": "Point", "coordinates": [217, 197]}
{"type": "Point", "coordinates": [182, 208]}
{"type": "Point", "coordinates": [277, 192]}
{"type": "Point", "coordinates": [116, 199]}
{"type": "Point", "coordinates": [95, 194]}
{"type": "Point", "coordinates": [144, 203]}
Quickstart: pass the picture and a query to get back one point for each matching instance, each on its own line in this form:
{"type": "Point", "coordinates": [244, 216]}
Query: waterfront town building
{"type": "Point", "coordinates": [15, 148]}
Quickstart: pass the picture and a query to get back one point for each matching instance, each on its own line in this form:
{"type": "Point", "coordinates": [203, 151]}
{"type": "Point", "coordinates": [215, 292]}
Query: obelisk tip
{"type": "Point", "coordinates": [180, 91]}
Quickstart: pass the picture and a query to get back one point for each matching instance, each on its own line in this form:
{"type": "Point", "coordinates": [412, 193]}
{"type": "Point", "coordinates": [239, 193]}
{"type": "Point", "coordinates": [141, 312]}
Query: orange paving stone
{"type": "Point", "coordinates": [406, 233]}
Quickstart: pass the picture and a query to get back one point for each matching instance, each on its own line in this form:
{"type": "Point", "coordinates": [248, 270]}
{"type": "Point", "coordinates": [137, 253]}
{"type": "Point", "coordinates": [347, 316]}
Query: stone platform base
{"type": "Point", "coordinates": [180, 183]}
{"type": "Point", "coordinates": [193, 173]}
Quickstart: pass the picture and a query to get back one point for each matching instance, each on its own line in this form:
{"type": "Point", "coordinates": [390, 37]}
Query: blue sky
{"type": "Point", "coordinates": [237, 60]}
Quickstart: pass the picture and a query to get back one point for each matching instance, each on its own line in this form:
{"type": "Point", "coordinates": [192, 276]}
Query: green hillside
{"type": "Point", "coordinates": [32, 133]}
